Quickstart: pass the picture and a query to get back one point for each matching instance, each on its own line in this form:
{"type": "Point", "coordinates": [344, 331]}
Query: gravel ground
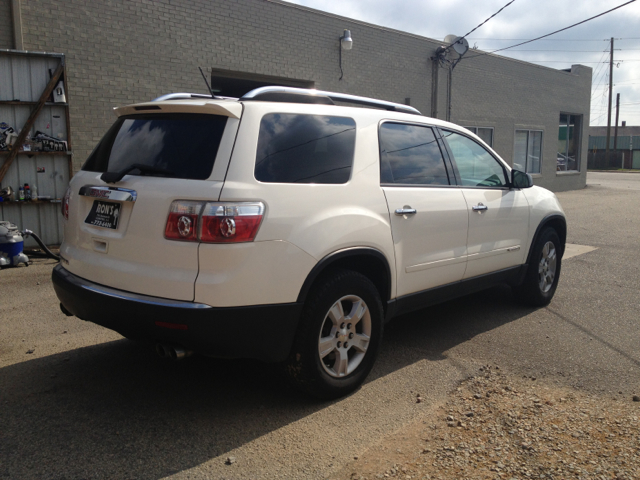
{"type": "Point", "coordinates": [497, 426]}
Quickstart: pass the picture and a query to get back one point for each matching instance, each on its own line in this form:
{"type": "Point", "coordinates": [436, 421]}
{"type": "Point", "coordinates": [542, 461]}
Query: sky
{"type": "Point", "coordinates": [587, 44]}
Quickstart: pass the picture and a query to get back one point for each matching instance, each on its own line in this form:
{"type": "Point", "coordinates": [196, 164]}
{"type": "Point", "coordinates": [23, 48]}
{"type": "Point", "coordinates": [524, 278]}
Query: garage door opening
{"type": "Point", "coordinates": [235, 84]}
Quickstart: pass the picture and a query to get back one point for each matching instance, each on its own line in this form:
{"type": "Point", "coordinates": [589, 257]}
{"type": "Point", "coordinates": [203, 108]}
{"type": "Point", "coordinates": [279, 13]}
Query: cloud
{"type": "Point", "coordinates": [524, 19]}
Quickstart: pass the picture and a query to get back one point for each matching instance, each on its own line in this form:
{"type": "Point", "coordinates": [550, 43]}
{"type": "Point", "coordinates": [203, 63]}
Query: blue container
{"type": "Point", "coordinates": [11, 244]}
{"type": "Point", "coordinates": [12, 249]}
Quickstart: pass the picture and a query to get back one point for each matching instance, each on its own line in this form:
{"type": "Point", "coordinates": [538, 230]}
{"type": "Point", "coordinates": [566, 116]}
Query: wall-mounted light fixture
{"type": "Point", "coordinates": [346, 43]}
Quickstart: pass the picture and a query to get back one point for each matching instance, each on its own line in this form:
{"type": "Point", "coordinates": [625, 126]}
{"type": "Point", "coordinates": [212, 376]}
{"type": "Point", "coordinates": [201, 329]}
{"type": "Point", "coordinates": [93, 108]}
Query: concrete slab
{"type": "Point", "coordinates": [573, 250]}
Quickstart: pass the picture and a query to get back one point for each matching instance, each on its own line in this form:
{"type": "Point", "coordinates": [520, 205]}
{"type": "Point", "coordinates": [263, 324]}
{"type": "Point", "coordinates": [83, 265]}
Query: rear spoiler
{"type": "Point", "coordinates": [200, 105]}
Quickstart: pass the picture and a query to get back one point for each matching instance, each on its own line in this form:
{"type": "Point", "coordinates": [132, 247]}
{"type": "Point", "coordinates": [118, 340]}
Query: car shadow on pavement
{"type": "Point", "coordinates": [428, 333]}
{"type": "Point", "coordinates": [115, 410]}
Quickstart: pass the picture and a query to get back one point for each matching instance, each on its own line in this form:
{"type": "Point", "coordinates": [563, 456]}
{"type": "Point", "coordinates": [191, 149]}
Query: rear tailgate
{"type": "Point", "coordinates": [115, 233]}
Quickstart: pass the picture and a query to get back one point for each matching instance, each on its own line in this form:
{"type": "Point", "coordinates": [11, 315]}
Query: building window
{"type": "Point", "coordinates": [569, 134]}
{"type": "Point", "coordinates": [485, 133]}
{"type": "Point", "coordinates": [527, 156]}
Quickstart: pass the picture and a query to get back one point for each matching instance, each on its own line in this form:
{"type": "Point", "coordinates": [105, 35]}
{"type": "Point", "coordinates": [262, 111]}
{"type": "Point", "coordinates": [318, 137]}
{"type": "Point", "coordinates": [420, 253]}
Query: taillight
{"type": "Point", "coordinates": [230, 223]}
{"type": "Point", "coordinates": [182, 223]}
{"type": "Point", "coordinates": [214, 222]}
{"type": "Point", "coordinates": [65, 204]}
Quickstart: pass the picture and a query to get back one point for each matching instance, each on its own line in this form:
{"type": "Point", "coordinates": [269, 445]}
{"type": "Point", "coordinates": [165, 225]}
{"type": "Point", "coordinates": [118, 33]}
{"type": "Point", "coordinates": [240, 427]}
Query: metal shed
{"type": "Point", "coordinates": [25, 79]}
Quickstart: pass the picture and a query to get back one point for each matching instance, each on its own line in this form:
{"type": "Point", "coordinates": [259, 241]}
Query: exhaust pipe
{"type": "Point", "coordinates": [180, 353]}
{"type": "Point", "coordinates": [160, 350]}
{"type": "Point", "coordinates": [173, 352]}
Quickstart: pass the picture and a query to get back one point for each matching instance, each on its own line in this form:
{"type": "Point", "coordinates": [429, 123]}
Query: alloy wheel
{"type": "Point", "coordinates": [344, 336]}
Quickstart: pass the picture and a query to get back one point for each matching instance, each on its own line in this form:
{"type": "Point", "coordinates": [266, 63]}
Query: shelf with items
{"type": "Point", "coordinates": [30, 153]}
{"type": "Point", "coordinates": [31, 202]}
{"type": "Point", "coordinates": [19, 134]}
{"type": "Point", "coordinates": [34, 104]}
{"type": "Point", "coordinates": [29, 104]}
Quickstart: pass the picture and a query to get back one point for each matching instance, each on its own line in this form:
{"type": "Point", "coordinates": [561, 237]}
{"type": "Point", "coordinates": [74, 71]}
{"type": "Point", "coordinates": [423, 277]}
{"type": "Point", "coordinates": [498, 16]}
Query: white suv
{"type": "Point", "coordinates": [283, 227]}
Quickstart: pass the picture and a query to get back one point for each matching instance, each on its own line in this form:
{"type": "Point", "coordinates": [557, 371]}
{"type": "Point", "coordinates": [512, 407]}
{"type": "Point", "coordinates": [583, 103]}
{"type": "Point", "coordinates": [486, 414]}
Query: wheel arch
{"type": "Point", "coordinates": [368, 261]}
{"type": "Point", "coordinates": [559, 224]}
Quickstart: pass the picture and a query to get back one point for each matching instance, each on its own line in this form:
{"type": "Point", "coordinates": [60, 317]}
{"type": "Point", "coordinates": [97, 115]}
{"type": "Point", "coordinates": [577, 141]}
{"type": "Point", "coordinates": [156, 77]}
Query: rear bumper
{"type": "Point", "coordinates": [263, 332]}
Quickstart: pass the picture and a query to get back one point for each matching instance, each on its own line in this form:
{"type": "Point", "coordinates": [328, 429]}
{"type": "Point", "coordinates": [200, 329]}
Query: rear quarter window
{"type": "Point", "coordinates": [182, 145]}
{"type": "Point", "coordinates": [296, 148]}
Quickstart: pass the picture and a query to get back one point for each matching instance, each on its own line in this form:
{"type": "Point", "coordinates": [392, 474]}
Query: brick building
{"type": "Point", "coordinates": [124, 51]}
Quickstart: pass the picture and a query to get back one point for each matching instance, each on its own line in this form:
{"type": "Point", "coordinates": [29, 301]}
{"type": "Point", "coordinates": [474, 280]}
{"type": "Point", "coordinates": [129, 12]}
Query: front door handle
{"type": "Point", "coordinates": [406, 210]}
{"type": "Point", "coordinates": [480, 208]}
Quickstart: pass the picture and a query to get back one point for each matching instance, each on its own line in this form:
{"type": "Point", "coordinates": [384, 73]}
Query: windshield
{"type": "Point", "coordinates": [175, 145]}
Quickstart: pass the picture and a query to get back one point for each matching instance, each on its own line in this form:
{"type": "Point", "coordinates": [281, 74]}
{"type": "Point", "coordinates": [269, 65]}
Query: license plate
{"type": "Point", "coordinates": [104, 214]}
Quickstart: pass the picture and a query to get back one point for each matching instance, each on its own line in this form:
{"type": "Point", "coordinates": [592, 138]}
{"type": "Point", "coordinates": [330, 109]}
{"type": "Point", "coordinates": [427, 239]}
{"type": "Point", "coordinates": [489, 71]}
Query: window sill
{"type": "Point", "coordinates": [536, 175]}
{"type": "Point", "coordinates": [569, 172]}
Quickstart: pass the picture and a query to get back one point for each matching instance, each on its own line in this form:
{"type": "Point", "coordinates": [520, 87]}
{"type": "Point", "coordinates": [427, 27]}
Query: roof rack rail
{"type": "Point", "coordinates": [304, 95]}
{"type": "Point", "coordinates": [181, 96]}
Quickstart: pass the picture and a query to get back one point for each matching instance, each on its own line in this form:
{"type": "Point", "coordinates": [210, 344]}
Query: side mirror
{"type": "Point", "coordinates": [520, 179]}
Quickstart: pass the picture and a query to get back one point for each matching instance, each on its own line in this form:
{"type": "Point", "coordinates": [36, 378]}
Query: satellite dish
{"type": "Point", "coordinates": [450, 38]}
{"type": "Point", "coordinates": [459, 44]}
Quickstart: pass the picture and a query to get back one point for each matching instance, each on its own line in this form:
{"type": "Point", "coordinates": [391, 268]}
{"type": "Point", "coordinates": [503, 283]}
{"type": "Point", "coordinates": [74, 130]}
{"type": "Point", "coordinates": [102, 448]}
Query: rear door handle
{"type": "Point", "coordinates": [480, 208]}
{"type": "Point", "coordinates": [406, 210]}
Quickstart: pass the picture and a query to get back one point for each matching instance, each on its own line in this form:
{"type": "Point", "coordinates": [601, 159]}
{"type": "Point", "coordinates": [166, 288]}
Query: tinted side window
{"type": "Point", "coordinates": [305, 148]}
{"type": "Point", "coordinates": [184, 145]}
{"type": "Point", "coordinates": [410, 154]}
{"type": "Point", "coordinates": [477, 167]}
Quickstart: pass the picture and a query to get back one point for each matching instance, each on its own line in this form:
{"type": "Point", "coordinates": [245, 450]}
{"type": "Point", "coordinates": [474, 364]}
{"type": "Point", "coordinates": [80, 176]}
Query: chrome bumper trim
{"type": "Point", "coordinates": [109, 193]}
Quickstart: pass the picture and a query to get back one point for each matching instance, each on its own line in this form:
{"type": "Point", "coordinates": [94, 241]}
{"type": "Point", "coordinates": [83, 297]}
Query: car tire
{"type": "Point", "coordinates": [543, 272]}
{"type": "Point", "coordinates": [338, 337]}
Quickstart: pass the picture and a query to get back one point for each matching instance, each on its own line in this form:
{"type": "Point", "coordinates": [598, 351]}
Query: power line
{"type": "Point", "coordinates": [555, 39]}
{"type": "Point", "coordinates": [605, 91]}
{"type": "Point", "coordinates": [599, 74]}
{"type": "Point", "coordinates": [580, 61]}
{"type": "Point", "coordinates": [489, 18]}
{"type": "Point", "coordinates": [576, 51]}
{"type": "Point", "coordinates": [557, 31]}
{"type": "Point", "coordinates": [555, 61]}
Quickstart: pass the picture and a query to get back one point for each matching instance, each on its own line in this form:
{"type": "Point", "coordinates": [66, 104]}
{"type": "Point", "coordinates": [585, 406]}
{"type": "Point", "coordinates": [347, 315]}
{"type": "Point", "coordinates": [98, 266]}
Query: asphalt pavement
{"type": "Point", "coordinates": [79, 401]}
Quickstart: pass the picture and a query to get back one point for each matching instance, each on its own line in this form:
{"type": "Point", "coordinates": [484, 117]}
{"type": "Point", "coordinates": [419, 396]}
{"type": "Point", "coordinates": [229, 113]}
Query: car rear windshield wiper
{"type": "Point", "coordinates": [113, 177]}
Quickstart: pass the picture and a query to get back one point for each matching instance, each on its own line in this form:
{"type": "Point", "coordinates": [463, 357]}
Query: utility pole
{"type": "Point", "coordinates": [606, 155]}
{"type": "Point", "coordinates": [615, 137]}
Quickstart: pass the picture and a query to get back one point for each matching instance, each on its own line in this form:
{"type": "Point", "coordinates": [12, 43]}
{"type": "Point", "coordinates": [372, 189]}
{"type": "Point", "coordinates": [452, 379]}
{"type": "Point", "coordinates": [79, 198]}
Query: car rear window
{"type": "Point", "coordinates": [305, 148]}
{"type": "Point", "coordinates": [181, 145]}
